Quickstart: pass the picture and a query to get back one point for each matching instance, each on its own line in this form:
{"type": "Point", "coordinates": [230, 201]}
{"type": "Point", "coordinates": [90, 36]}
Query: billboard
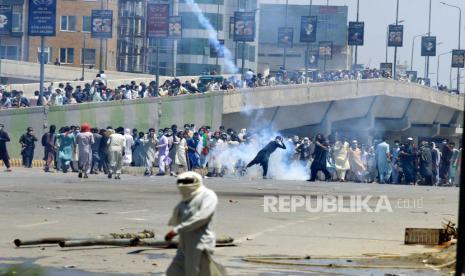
{"type": "Point", "coordinates": [285, 37]}
{"type": "Point", "coordinates": [158, 20]}
{"type": "Point", "coordinates": [42, 17]}
{"type": "Point", "coordinates": [217, 50]}
{"type": "Point", "coordinates": [356, 33]}
{"type": "Point", "coordinates": [175, 27]}
{"type": "Point", "coordinates": [5, 19]}
{"type": "Point", "coordinates": [102, 24]}
{"type": "Point", "coordinates": [386, 67]}
{"type": "Point", "coordinates": [308, 25]}
{"type": "Point", "coordinates": [244, 26]}
{"type": "Point", "coordinates": [458, 58]}
{"type": "Point", "coordinates": [326, 49]}
{"type": "Point", "coordinates": [428, 46]}
{"type": "Point", "coordinates": [396, 35]}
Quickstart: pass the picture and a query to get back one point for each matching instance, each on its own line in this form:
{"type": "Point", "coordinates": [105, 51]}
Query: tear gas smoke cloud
{"type": "Point", "coordinates": [281, 164]}
{"type": "Point", "coordinates": [230, 67]}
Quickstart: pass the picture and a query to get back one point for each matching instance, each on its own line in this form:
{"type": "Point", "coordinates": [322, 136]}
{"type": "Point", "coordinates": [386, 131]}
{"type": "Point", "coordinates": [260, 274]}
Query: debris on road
{"type": "Point", "coordinates": [431, 236]}
{"type": "Point", "coordinates": [55, 240]}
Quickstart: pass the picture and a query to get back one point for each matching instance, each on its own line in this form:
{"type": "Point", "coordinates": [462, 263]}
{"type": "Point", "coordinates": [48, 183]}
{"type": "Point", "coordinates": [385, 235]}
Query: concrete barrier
{"type": "Point", "coordinates": [142, 114]}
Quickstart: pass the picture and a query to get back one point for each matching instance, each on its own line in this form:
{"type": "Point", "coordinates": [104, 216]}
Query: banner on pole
{"type": "Point", "coordinates": [285, 37]}
{"type": "Point", "coordinates": [175, 27]}
{"type": "Point", "coordinates": [42, 17]}
{"type": "Point", "coordinates": [428, 46]}
{"type": "Point", "coordinates": [217, 51]}
{"type": "Point", "coordinates": [326, 49]}
{"type": "Point", "coordinates": [313, 55]}
{"type": "Point", "coordinates": [244, 26]}
{"type": "Point", "coordinates": [356, 33]}
{"type": "Point", "coordinates": [5, 19]}
{"type": "Point", "coordinates": [386, 67]}
{"type": "Point", "coordinates": [396, 35]}
{"type": "Point", "coordinates": [158, 20]}
{"type": "Point", "coordinates": [308, 26]}
{"type": "Point", "coordinates": [458, 58]}
{"type": "Point", "coordinates": [102, 24]}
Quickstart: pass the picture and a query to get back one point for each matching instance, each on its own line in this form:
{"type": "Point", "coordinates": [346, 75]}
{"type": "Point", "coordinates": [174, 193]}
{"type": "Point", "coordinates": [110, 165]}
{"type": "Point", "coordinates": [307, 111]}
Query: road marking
{"type": "Point", "coordinates": [137, 219]}
{"type": "Point", "coordinates": [274, 228]}
{"type": "Point", "coordinates": [133, 211]}
{"type": "Point", "coordinates": [37, 224]}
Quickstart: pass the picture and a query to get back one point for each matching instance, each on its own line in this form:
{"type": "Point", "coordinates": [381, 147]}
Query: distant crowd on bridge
{"type": "Point", "coordinates": [227, 152]}
{"type": "Point", "coordinates": [98, 90]}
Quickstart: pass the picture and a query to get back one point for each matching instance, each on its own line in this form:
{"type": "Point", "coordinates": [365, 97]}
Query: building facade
{"type": "Point", "coordinates": [72, 45]}
{"type": "Point", "coordinates": [191, 55]}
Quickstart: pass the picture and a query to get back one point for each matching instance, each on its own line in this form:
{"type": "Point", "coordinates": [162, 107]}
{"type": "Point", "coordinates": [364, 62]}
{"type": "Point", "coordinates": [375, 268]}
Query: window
{"type": "Point", "coordinates": [67, 55]}
{"type": "Point", "coordinates": [47, 54]}
{"type": "Point", "coordinates": [68, 23]}
{"type": "Point", "coordinates": [86, 23]}
{"type": "Point", "coordinates": [9, 52]}
{"type": "Point", "coordinates": [16, 22]}
{"type": "Point", "coordinates": [88, 56]}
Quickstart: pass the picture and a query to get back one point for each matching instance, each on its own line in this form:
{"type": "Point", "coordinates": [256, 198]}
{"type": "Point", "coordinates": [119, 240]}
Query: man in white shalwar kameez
{"type": "Point", "coordinates": [116, 144]}
{"type": "Point", "coordinates": [192, 220]}
{"type": "Point", "coordinates": [150, 146]}
{"type": "Point", "coordinates": [127, 158]}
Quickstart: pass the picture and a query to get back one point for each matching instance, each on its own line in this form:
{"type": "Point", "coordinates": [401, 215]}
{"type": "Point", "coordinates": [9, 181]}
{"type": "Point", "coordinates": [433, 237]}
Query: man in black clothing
{"type": "Point", "coordinates": [446, 159]}
{"type": "Point", "coordinates": [28, 145]}
{"type": "Point", "coordinates": [50, 149]}
{"type": "Point", "coordinates": [407, 157]}
{"type": "Point", "coordinates": [320, 156]}
{"type": "Point", "coordinates": [426, 164]}
{"type": "Point", "coordinates": [4, 138]}
{"type": "Point", "coordinates": [263, 156]}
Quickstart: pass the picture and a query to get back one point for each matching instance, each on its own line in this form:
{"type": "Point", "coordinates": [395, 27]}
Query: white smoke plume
{"type": "Point", "coordinates": [230, 67]}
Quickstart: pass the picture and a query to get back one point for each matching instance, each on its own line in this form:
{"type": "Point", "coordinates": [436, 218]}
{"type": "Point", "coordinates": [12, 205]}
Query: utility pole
{"type": "Point", "coordinates": [356, 46]}
{"type": "Point", "coordinates": [101, 44]}
{"type": "Point", "coordinates": [429, 34]}
{"type": "Point", "coordinates": [395, 48]}
{"type": "Point", "coordinates": [308, 45]}
{"type": "Point", "coordinates": [285, 46]}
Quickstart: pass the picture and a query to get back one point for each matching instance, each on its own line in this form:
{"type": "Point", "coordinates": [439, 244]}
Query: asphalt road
{"type": "Point", "coordinates": [34, 204]}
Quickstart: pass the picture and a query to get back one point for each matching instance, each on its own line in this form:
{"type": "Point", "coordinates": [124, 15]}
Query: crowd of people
{"type": "Point", "coordinates": [89, 150]}
{"type": "Point", "coordinates": [98, 90]}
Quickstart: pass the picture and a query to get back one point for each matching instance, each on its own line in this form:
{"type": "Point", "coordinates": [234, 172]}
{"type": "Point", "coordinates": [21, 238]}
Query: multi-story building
{"type": "Point", "coordinates": [73, 35]}
{"type": "Point", "coordinates": [190, 55]}
{"type": "Point", "coordinates": [331, 27]}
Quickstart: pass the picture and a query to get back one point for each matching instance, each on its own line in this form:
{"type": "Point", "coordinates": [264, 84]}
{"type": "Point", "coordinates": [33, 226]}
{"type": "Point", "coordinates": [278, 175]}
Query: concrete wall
{"type": "Point", "coordinates": [141, 114]}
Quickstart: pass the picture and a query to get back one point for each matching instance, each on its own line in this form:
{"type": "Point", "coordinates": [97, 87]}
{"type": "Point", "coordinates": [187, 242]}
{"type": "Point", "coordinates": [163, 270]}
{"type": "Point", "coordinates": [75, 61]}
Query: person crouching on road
{"type": "Point", "coordinates": [193, 222]}
{"type": "Point", "coordinates": [116, 144]}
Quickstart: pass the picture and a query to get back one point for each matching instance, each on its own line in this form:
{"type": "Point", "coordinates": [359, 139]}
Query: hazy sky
{"type": "Point", "coordinates": [377, 14]}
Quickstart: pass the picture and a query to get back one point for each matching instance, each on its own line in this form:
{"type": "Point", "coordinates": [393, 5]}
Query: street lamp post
{"type": "Point", "coordinates": [82, 54]}
{"type": "Point", "coordinates": [395, 48]}
{"type": "Point", "coordinates": [413, 47]}
{"type": "Point", "coordinates": [356, 47]}
{"type": "Point", "coordinates": [460, 27]}
{"type": "Point", "coordinates": [429, 34]}
{"type": "Point", "coordinates": [285, 48]}
{"type": "Point", "coordinates": [437, 67]}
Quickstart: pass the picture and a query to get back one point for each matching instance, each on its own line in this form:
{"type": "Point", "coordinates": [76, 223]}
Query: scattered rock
{"type": "Point", "coordinates": [69, 266]}
{"type": "Point", "coordinates": [101, 213]}
{"type": "Point", "coordinates": [154, 264]}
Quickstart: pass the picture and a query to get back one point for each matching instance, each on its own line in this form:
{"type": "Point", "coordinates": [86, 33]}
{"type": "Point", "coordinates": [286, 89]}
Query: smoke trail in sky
{"type": "Point", "coordinates": [230, 67]}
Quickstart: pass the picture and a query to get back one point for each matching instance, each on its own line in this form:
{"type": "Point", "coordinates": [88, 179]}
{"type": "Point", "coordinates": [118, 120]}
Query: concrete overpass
{"type": "Point", "coordinates": [357, 109]}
